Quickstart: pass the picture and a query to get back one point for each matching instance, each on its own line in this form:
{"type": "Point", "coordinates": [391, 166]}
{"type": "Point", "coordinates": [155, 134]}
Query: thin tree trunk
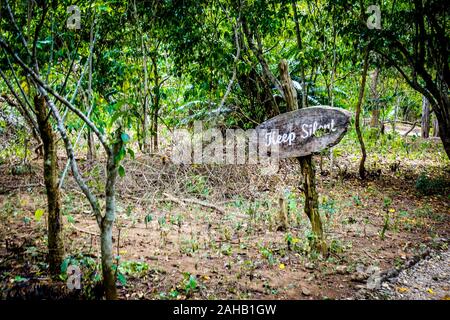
{"type": "Point", "coordinates": [306, 163]}
{"type": "Point", "coordinates": [55, 226]}
{"type": "Point", "coordinates": [145, 111]}
{"type": "Point", "coordinates": [156, 101]}
{"type": "Point", "coordinates": [307, 166]}
{"type": "Point", "coordinates": [375, 120]}
{"type": "Point", "coordinates": [312, 203]}
{"type": "Point", "coordinates": [90, 139]}
{"type": "Point", "coordinates": [397, 106]}
{"type": "Point", "coordinates": [299, 44]}
{"type": "Point", "coordinates": [425, 125]}
{"type": "Point", "coordinates": [362, 170]}
{"type": "Point", "coordinates": [91, 155]}
{"type": "Point", "coordinates": [435, 127]}
{"type": "Point", "coordinates": [106, 228]}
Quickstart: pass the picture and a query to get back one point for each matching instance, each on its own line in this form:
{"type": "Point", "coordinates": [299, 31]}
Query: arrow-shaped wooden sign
{"type": "Point", "coordinates": [305, 131]}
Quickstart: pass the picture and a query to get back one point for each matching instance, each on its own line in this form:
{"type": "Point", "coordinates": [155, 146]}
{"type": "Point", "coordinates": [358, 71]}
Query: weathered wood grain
{"type": "Point", "coordinates": [305, 131]}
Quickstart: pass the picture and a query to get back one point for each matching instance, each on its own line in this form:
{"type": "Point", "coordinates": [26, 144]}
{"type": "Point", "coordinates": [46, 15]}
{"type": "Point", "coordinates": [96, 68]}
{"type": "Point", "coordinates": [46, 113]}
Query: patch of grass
{"type": "Point", "coordinates": [197, 185]}
{"type": "Point", "coordinates": [430, 186]}
{"type": "Point", "coordinates": [426, 212]}
{"type": "Point", "coordinates": [189, 246]}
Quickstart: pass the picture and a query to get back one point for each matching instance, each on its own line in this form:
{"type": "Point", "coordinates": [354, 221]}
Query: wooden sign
{"type": "Point", "coordinates": [305, 131]}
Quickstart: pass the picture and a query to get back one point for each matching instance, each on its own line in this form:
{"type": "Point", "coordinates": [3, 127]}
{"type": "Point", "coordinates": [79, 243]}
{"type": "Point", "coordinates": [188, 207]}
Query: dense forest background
{"type": "Point", "coordinates": [92, 91]}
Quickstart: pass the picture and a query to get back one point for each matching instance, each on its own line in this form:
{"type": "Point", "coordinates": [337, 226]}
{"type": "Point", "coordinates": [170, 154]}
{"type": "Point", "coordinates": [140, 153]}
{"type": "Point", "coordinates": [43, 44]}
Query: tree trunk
{"type": "Point", "coordinates": [155, 129]}
{"type": "Point", "coordinates": [109, 275]}
{"type": "Point", "coordinates": [312, 203]}
{"type": "Point", "coordinates": [425, 129]}
{"type": "Point", "coordinates": [299, 44]}
{"type": "Point", "coordinates": [435, 127]}
{"type": "Point", "coordinates": [146, 93]}
{"type": "Point", "coordinates": [91, 155]}
{"type": "Point", "coordinates": [91, 151]}
{"type": "Point", "coordinates": [444, 129]}
{"type": "Point", "coordinates": [362, 169]}
{"type": "Point", "coordinates": [156, 101]}
{"type": "Point", "coordinates": [375, 120]}
{"type": "Point", "coordinates": [307, 166]}
{"type": "Point", "coordinates": [55, 226]}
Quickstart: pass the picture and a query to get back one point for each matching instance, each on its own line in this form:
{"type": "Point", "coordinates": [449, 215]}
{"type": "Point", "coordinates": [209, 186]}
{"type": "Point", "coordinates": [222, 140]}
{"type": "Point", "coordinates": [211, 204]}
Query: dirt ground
{"type": "Point", "coordinates": [212, 232]}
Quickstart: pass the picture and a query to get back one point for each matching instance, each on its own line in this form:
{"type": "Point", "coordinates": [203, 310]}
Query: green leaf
{"type": "Point", "coordinates": [120, 156]}
{"type": "Point", "coordinates": [121, 278]}
{"type": "Point", "coordinates": [131, 153]}
{"type": "Point", "coordinates": [20, 279]}
{"type": "Point", "coordinates": [115, 116]}
{"type": "Point", "coordinates": [38, 214]}
{"type": "Point", "coordinates": [121, 171]}
{"type": "Point", "coordinates": [65, 265]}
{"type": "Point", "coordinates": [148, 218]}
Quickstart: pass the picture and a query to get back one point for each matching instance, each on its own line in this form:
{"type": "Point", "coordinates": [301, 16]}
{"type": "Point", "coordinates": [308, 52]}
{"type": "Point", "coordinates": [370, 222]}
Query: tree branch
{"type": "Point", "coordinates": [24, 42]}
{"type": "Point", "coordinates": [63, 100]}
{"type": "Point", "coordinates": [70, 153]}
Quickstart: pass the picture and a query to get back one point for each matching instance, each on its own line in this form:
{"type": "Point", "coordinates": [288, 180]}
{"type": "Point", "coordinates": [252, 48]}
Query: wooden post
{"type": "Point", "coordinates": [307, 167]}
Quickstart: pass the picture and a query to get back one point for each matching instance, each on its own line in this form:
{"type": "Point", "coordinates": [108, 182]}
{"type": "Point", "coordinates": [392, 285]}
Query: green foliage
{"type": "Point", "coordinates": [148, 218]}
{"type": "Point", "coordinates": [336, 247]}
{"type": "Point", "coordinates": [267, 254]}
{"type": "Point", "coordinates": [197, 185]}
{"type": "Point", "coordinates": [429, 186]}
{"type": "Point", "coordinates": [189, 284]}
{"type": "Point", "coordinates": [328, 206]}
{"type": "Point", "coordinates": [90, 273]}
{"type": "Point", "coordinates": [135, 269]}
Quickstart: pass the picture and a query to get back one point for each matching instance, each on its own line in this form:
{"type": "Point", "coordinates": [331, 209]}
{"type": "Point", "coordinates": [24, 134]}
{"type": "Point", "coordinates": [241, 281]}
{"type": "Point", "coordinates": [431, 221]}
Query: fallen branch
{"type": "Point", "coordinates": [85, 231]}
{"type": "Point", "coordinates": [10, 188]}
{"type": "Point", "coordinates": [194, 201]}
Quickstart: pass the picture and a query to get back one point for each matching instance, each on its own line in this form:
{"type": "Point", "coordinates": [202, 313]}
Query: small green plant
{"type": "Point", "coordinates": [148, 218]}
{"type": "Point", "coordinates": [173, 294]}
{"type": "Point", "coordinates": [429, 186]}
{"type": "Point", "coordinates": [134, 268]}
{"type": "Point", "coordinates": [289, 241]}
{"type": "Point", "coordinates": [90, 270]}
{"type": "Point", "coordinates": [336, 247]}
{"type": "Point", "coordinates": [189, 246]}
{"type": "Point", "coordinates": [357, 200]}
{"type": "Point", "coordinates": [189, 284]}
{"type": "Point", "coordinates": [385, 225]}
{"type": "Point", "coordinates": [176, 220]}
{"type": "Point", "coordinates": [328, 207]}
{"type": "Point", "coordinates": [197, 185]}
{"type": "Point", "coordinates": [226, 249]}
{"type": "Point", "coordinates": [267, 254]}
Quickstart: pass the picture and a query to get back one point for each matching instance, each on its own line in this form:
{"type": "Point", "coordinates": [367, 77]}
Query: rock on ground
{"type": "Point", "coordinates": [429, 279]}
